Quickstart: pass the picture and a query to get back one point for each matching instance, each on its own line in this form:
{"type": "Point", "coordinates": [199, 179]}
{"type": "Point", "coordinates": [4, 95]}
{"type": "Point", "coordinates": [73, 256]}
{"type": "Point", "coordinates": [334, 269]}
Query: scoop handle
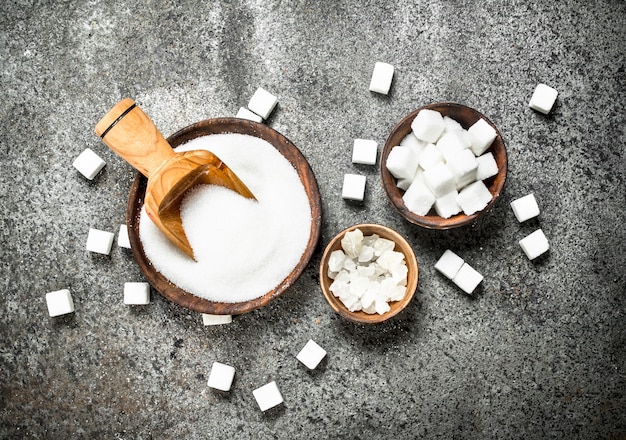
{"type": "Point", "coordinates": [128, 131]}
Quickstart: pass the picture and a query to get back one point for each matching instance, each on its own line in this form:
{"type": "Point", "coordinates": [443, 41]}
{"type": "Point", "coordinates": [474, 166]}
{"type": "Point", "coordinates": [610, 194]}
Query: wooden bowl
{"type": "Point", "coordinates": [466, 116]}
{"type": "Point", "coordinates": [217, 126]}
{"type": "Point", "coordinates": [396, 307]}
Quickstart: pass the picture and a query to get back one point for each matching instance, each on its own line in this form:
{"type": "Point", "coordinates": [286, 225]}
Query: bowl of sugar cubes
{"type": "Point", "coordinates": [368, 273]}
{"type": "Point", "coordinates": [443, 165]}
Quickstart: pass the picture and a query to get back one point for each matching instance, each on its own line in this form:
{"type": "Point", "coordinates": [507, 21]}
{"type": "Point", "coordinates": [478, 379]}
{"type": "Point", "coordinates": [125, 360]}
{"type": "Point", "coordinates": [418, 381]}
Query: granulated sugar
{"type": "Point", "coordinates": [244, 248]}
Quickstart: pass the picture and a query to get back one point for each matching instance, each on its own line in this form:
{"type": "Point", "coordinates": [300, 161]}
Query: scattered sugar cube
{"type": "Point", "coordinates": [208, 319]}
{"type": "Point", "coordinates": [88, 163]}
{"type": "Point", "coordinates": [136, 293]}
{"type": "Point", "coordinates": [534, 244]}
{"type": "Point", "coordinates": [364, 151]}
{"type": "Point", "coordinates": [446, 206]}
{"type": "Point", "coordinates": [262, 103]}
{"type": "Point", "coordinates": [525, 207]}
{"type": "Point", "coordinates": [463, 166]}
{"type": "Point", "coordinates": [99, 241]}
{"type": "Point", "coordinates": [449, 264]}
{"type": "Point", "coordinates": [543, 98]}
{"type": "Point", "coordinates": [268, 396]}
{"type": "Point", "coordinates": [440, 179]}
{"type": "Point", "coordinates": [467, 278]}
{"type": "Point", "coordinates": [474, 197]}
{"type": "Point", "coordinates": [402, 162]}
{"type": "Point", "coordinates": [122, 237]}
{"type": "Point", "coordinates": [487, 166]}
{"type": "Point", "coordinates": [381, 78]}
{"type": "Point", "coordinates": [419, 199]}
{"type": "Point", "coordinates": [430, 157]}
{"type": "Point", "coordinates": [244, 113]}
{"type": "Point", "coordinates": [311, 354]}
{"type": "Point", "coordinates": [482, 136]}
{"type": "Point", "coordinates": [353, 187]}
{"type": "Point", "coordinates": [59, 302]}
{"type": "Point", "coordinates": [221, 376]}
{"type": "Point", "coordinates": [428, 125]}
{"type": "Point", "coordinates": [450, 144]}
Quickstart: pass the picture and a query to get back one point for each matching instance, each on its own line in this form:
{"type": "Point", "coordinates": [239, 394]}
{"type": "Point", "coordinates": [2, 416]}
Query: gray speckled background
{"type": "Point", "coordinates": [539, 352]}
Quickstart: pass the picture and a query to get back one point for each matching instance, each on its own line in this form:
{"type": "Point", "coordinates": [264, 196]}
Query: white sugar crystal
{"type": "Point", "coordinates": [446, 206]}
{"type": "Point", "coordinates": [464, 166]}
{"type": "Point", "coordinates": [364, 151]}
{"type": "Point", "coordinates": [221, 376]}
{"type": "Point", "coordinates": [449, 264]}
{"type": "Point", "coordinates": [268, 396]}
{"type": "Point", "coordinates": [474, 197]}
{"type": "Point", "coordinates": [382, 245]}
{"type": "Point", "coordinates": [353, 187]}
{"type": "Point", "coordinates": [99, 241]}
{"type": "Point", "coordinates": [525, 208]}
{"type": "Point", "coordinates": [399, 274]}
{"type": "Point", "coordinates": [339, 288]}
{"type": "Point", "coordinates": [349, 264]}
{"type": "Point", "coordinates": [59, 302]}
{"type": "Point", "coordinates": [543, 98]}
{"type": "Point", "coordinates": [370, 295]}
{"type": "Point", "coordinates": [487, 166]}
{"type": "Point", "coordinates": [402, 162]}
{"type": "Point", "coordinates": [366, 254]}
{"type": "Point", "coordinates": [335, 260]}
{"type": "Point", "coordinates": [262, 102]}
{"type": "Point", "coordinates": [88, 163]}
{"type": "Point", "coordinates": [467, 278]}
{"type": "Point", "coordinates": [450, 144]}
{"type": "Point", "coordinates": [440, 179]}
{"type": "Point", "coordinates": [368, 271]}
{"type": "Point", "coordinates": [352, 242]}
{"type": "Point", "coordinates": [430, 157]}
{"type": "Point", "coordinates": [311, 354]}
{"type": "Point", "coordinates": [418, 198]}
{"type": "Point", "coordinates": [534, 244]}
{"type": "Point", "coordinates": [390, 259]}
{"type": "Point", "coordinates": [122, 237]}
{"type": "Point", "coordinates": [428, 125]}
{"type": "Point", "coordinates": [482, 136]}
{"type": "Point", "coordinates": [137, 293]}
{"type": "Point", "coordinates": [381, 306]}
{"type": "Point", "coordinates": [381, 78]}
{"type": "Point", "coordinates": [451, 124]}
{"type": "Point", "coordinates": [210, 319]}
{"type": "Point", "coordinates": [244, 113]}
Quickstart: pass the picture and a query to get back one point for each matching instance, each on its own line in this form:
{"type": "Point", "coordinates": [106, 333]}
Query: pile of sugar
{"type": "Point", "coordinates": [244, 248]}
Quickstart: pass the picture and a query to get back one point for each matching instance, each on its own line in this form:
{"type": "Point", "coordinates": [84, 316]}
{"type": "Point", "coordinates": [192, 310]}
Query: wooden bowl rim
{"type": "Point", "coordinates": [394, 194]}
{"type": "Point", "coordinates": [218, 126]}
{"type": "Point", "coordinates": [396, 307]}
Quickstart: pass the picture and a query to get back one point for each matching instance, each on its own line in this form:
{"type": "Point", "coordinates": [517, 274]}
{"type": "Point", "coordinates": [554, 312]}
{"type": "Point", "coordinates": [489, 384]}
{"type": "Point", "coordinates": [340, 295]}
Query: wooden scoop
{"type": "Point", "coordinates": [128, 131]}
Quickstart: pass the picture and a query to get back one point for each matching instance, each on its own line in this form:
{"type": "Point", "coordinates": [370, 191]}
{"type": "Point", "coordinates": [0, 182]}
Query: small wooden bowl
{"type": "Point", "coordinates": [396, 307]}
{"type": "Point", "coordinates": [466, 116]}
{"type": "Point", "coordinates": [217, 126]}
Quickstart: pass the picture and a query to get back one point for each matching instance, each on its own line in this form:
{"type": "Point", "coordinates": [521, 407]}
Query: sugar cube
{"type": "Point", "coordinates": [482, 136]}
{"type": "Point", "coordinates": [221, 376]}
{"type": "Point", "coordinates": [467, 278]}
{"type": "Point", "coordinates": [122, 237]}
{"type": "Point", "coordinates": [452, 124]}
{"type": "Point", "coordinates": [268, 396]}
{"type": "Point", "coordinates": [381, 78]}
{"type": "Point", "coordinates": [543, 98]}
{"type": "Point", "coordinates": [136, 293]}
{"type": "Point", "coordinates": [446, 206]}
{"type": "Point", "coordinates": [353, 187]}
{"type": "Point", "coordinates": [415, 144]}
{"type": "Point", "coordinates": [404, 184]}
{"type": "Point", "coordinates": [428, 125]}
{"type": "Point", "coordinates": [440, 180]}
{"type": "Point", "coordinates": [474, 197]}
{"type": "Point", "coordinates": [534, 244]}
{"type": "Point", "coordinates": [59, 302]}
{"type": "Point", "coordinates": [208, 319]}
{"type": "Point", "coordinates": [364, 151]}
{"type": "Point", "coordinates": [262, 102]}
{"type": "Point", "coordinates": [487, 166]}
{"type": "Point", "coordinates": [430, 157]}
{"type": "Point", "coordinates": [244, 113]}
{"type": "Point", "coordinates": [450, 144]}
{"type": "Point", "coordinates": [402, 162]}
{"type": "Point", "coordinates": [311, 354]}
{"type": "Point", "coordinates": [418, 198]}
{"type": "Point", "coordinates": [525, 207]}
{"type": "Point", "coordinates": [463, 165]}
{"type": "Point", "coordinates": [99, 241]}
{"type": "Point", "coordinates": [88, 163]}
{"type": "Point", "coordinates": [449, 264]}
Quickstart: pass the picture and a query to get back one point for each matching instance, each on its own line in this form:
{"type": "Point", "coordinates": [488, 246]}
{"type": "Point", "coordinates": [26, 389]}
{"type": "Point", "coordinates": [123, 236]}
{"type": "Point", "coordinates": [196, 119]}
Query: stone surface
{"type": "Point", "coordinates": [538, 352]}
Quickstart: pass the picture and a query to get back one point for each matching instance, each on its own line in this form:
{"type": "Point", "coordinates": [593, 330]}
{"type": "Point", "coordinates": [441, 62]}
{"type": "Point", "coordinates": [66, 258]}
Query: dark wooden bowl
{"type": "Point", "coordinates": [217, 126]}
{"type": "Point", "coordinates": [466, 116]}
{"type": "Point", "coordinates": [396, 307]}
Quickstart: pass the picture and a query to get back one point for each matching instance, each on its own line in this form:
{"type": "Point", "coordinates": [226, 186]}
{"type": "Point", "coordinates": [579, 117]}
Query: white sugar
{"type": "Point", "coordinates": [244, 248]}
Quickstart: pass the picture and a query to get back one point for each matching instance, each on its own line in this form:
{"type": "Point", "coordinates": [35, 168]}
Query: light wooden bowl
{"type": "Point", "coordinates": [466, 116]}
{"type": "Point", "coordinates": [217, 126]}
{"type": "Point", "coordinates": [396, 307]}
